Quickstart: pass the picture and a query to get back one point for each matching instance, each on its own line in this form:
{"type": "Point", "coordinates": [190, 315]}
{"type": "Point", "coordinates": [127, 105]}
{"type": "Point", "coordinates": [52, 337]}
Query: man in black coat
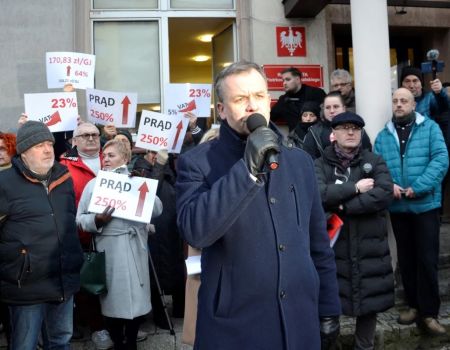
{"type": "Point", "coordinates": [268, 272]}
{"type": "Point", "coordinates": [356, 185]}
{"type": "Point", "coordinates": [289, 106]}
{"type": "Point", "coordinates": [40, 253]}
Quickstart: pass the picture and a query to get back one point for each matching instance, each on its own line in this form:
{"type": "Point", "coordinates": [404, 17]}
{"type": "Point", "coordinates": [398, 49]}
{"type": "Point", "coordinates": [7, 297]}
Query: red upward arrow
{"type": "Point", "coordinates": [143, 189]}
{"type": "Point", "coordinates": [179, 127]}
{"type": "Point", "coordinates": [126, 101]}
{"type": "Point", "coordinates": [55, 118]}
{"type": "Point", "coordinates": [190, 107]}
{"type": "Point", "coordinates": [68, 70]}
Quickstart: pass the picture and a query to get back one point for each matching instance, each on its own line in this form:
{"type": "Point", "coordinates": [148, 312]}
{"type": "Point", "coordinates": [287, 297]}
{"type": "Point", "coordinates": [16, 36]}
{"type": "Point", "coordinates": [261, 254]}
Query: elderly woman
{"type": "Point", "coordinates": [355, 184]}
{"type": "Point", "coordinates": [125, 246]}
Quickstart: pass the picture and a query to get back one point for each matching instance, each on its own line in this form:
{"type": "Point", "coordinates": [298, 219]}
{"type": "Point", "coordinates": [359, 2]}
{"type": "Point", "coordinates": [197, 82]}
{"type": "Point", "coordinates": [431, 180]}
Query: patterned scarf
{"type": "Point", "coordinates": [345, 157]}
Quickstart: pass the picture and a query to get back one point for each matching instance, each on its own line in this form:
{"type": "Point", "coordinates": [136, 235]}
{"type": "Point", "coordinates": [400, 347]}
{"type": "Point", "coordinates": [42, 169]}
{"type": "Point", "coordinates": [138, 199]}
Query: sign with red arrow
{"type": "Point", "coordinates": [160, 131]}
{"type": "Point", "coordinates": [182, 98]}
{"type": "Point", "coordinates": [70, 68]}
{"type": "Point", "coordinates": [111, 107]}
{"type": "Point", "coordinates": [59, 110]}
{"type": "Point", "coordinates": [132, 197]}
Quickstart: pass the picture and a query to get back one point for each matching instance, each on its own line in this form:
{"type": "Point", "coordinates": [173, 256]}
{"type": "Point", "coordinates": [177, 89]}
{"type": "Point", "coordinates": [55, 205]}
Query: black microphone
{"type": "Point", "coordinates": [432, 56]}
{"type": "Point", "coordinates": [367, 169]}
{"type": "Point", "coordinates": [255, 121]}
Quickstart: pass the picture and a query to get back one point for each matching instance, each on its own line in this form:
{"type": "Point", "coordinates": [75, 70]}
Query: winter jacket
{"type": "Point", "coordinates": [363, 262]}
{"type": "Point", "coordinates": [81, 175]}
{"type": "Point", "coordinates": [289, 106]}
{"type": "Point", "coordinates": [423, 167]}
{"type": "Point", "coordinates": [268, 272]}
{"type": "Point", "coordinates": [127, 271]}
{"type": "Point", "coordinates": [318, 137]}
{"type": "Point", "coordinates": [432, 105]}
{"type": "Point", "coordinates": [40, 254]}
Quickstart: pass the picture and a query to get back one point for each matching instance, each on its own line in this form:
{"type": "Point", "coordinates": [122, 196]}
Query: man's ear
{"type": "Point", "coordinates": [220, 108]}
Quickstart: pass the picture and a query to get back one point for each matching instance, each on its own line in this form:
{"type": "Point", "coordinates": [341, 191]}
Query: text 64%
{"type": "Point", "coordinates": [115, 203]}
{"type": "Point", "coordinates": [155, 140]}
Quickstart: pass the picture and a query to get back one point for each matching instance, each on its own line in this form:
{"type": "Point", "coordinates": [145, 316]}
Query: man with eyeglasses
{"type": "Point", "coordinates": [288, 109]}
{"type": "Point", "coordinates": [341, 80]}
{"type": "Point", "coordinates": [355, 184]}
{"type": "Point", "coordinates": [414, 150]}
{"type": "Point", "coordinates": [84, 161]}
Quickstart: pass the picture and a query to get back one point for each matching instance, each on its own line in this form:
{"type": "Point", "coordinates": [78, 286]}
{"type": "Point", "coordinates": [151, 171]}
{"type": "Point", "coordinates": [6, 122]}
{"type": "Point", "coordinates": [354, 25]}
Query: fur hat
{"type": "Point", "coordinates": [32, 133]}
{"type": "Point", "coordinates": [347, 118]}
{"type": "Point", "coordinates": [411, 71]}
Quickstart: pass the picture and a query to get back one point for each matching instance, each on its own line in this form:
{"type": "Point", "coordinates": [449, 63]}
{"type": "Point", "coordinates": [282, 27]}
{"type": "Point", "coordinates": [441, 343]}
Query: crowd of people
{"type": "Point", "coordinates": [268, 265]}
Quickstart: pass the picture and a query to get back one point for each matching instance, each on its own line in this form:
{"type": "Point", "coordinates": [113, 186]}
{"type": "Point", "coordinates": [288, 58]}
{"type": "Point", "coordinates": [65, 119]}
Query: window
{"type": "Point", "coordinates": [127, 58]}
{"type": "Point", "coordinates": [202, 4]}
{"type": "Point", "coordinates": [125, 4]}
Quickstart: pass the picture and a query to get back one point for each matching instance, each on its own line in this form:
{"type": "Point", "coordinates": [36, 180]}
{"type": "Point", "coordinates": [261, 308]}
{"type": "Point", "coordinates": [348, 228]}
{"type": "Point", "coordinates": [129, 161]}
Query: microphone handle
{"type": "Point", "coordinates": [272, 159]}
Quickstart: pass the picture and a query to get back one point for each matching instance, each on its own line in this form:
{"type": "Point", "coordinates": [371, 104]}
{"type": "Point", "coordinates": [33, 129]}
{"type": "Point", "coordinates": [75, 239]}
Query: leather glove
{"type": "Point", "coordinates": [259, 142]}
{"type": "Point", "coordinates": [105, 217]}
{"type": "Point", "coordinates": [162, 156]}
{"type": "Point", "coordinates": [136, 172]}
{"type": "Point", "coordinates": [329, 331]}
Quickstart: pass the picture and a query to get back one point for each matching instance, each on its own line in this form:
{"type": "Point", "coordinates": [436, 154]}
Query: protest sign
{"type": "Point", "coordinates": [132, 197]}
{"type": "Point", "coordinates": [109, 107]}
{"type": "Point", "coordinates": [157, 131]}
{"type": "Point", "coordinates": [182, 98]}
{"type": "Point", "coordinates": [70, 68]}
{"type": "Point", "coordinates": [58, 110]}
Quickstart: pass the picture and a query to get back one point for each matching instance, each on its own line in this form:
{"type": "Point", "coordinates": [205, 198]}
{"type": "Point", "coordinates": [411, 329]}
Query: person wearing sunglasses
{"type": "Point", "coordinates": [355, 184]}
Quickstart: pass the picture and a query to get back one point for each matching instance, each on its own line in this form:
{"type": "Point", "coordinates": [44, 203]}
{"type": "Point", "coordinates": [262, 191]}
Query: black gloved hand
{"type": "Point", "coordinates": [105, 217]}
{"type": "Point", "coordinates": [259, 142]}
{"type": "Point", "coordinates": [329, 331]}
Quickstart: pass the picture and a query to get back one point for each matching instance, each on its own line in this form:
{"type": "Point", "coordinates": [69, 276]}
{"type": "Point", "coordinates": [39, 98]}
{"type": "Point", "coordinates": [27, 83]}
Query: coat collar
{"type": "Point", "coordinates": [419, 120]}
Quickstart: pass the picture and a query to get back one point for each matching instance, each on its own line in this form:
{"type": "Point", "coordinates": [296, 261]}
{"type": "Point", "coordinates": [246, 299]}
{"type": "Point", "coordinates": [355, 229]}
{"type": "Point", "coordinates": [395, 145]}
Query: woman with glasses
{"type": "Point", "coordinates": [355, 184]}
{"type": "Point", "coordinates": [318, 136]}
{"type": "Point", "coordinates": [126, 252]}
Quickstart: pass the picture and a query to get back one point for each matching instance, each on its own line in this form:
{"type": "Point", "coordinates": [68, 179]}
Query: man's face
{"type": "Point", "coordinates": [5, 159]}
{"type": "Point", "coordinates": [341, 85]}
{"type": "Point", "coordinates": [88, 139]}
{"type": "Point", "coordinates": [402, 103]}
{"type": "Point", "coordinates": [40, 157]}
{"type": "Point", "coordinates": [413, 84]}
{"type": "Point", "coordinates": [332, 106]}
{"type": "Point", "coordinates": [348, 136]}
{"type": "Point", "coordinates": [291, 83]}
{"type": "Point", "coordinates": [244, 94]}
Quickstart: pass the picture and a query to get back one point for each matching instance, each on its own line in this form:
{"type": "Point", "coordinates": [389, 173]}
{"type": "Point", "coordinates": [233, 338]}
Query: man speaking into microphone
{"type": "Point", "coordinates": [251, 203]}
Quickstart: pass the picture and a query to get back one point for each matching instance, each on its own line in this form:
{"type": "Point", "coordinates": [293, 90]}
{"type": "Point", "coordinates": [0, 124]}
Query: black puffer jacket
{"type": "Point", "coordinates": [40, 253]}
{"type": "Point", "coordinates": [363, 262]}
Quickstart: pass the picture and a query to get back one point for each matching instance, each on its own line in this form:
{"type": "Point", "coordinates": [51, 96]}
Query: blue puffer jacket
{"type": "Point", "coordinates": [432, 105]}
{"type": "Point", "coordinates": [424, 164]}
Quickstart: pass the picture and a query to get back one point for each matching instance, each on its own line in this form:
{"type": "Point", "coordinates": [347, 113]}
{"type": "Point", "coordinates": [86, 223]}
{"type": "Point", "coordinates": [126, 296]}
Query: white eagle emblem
{"type": "Point", "coordinates": [291, 41]}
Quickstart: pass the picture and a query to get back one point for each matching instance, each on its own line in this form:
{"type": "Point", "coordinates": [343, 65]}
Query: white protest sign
{"type": "Point", "coordinates": [106, 107]}
{"type": "Point", "coordinates": [57, 110]}
{"type": "Point", "coordinates": [132, 197]}
{"type": "Point", "coordinates": [158, 131]}
{"type": "Point", "coordinates": [182, 98]}
{"type": "Point", "coordinates": [70, 67]}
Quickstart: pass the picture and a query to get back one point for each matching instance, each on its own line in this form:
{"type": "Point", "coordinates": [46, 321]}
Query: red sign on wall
{"type": "Point", "coordinates": [312, 74]}
{"type": "Point", "coordinates": [291, 41]}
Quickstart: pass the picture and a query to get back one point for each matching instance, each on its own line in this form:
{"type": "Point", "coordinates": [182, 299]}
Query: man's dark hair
{"type": "Point", "coordinates": [234, 69]}
{"type": "Point", "coordinates": [294, 71]}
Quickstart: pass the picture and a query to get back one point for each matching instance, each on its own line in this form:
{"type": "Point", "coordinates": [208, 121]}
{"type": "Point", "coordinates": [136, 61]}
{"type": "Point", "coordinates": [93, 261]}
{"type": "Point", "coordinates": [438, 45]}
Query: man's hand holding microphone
{"type": "Point", "coordinates": [262, 148]}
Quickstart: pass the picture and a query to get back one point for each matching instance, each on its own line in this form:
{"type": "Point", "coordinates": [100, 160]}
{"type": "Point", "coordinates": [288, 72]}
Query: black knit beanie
{"type": "Point", "coordinates": [32, 133]}
{"type": "Point", "coordinates": [411, 71]}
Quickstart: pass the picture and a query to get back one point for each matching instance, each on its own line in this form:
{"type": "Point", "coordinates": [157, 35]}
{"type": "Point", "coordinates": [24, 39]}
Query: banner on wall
{"type": "Point", "coordinates": [312, 74]}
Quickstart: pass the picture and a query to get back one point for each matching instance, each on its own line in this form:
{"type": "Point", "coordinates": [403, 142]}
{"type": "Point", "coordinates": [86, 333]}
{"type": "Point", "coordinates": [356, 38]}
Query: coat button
{"type": "Point", "coordinates": [282, 247]}
{"type": "Point", "coordinates": [272, 200]}
{"type": "Point", "coordinates": [282, 294]}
